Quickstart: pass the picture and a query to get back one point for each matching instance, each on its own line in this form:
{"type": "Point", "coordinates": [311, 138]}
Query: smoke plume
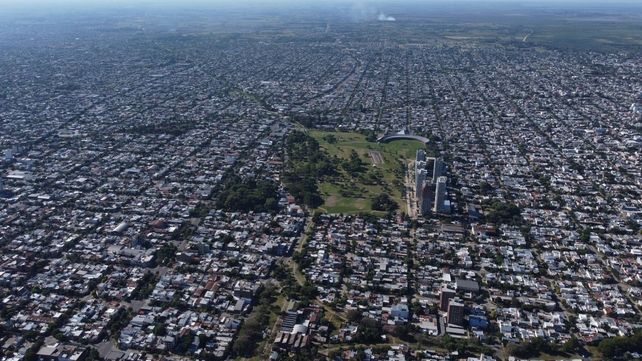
{"type": "Point", "coordinates": [384, 17]}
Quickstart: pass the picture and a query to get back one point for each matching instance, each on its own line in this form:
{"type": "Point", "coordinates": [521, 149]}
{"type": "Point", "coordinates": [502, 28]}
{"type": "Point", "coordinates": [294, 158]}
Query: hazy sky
{"type": "Point", "coordinates": [40, 7]}
{"type": "Point", "coordinates": [267, 2]}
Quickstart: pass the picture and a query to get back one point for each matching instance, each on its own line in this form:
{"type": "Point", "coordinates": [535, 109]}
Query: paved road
{"type": "Point", "coordinates": [105, 347]}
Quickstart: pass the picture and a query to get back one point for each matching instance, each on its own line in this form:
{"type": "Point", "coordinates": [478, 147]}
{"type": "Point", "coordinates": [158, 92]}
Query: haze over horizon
{"type": "Point", "coordinates": [348, 10]}
{"type": "Point", "coordinates": [213, 3]}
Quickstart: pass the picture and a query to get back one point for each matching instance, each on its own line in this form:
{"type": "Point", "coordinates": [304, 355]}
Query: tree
{"type": "Point", "coordinates": [160, 329]}
{"type": "Point", "coordinates": [383, 202]}
{"type": "Point", "coordinates": [532, 348]}
{"type": "Point", "coordinates": [244, 345]}
{"type": "Point", "coordinates": [32, 353]}
{"type": "Point", "coordinates": [504, 213]}
{"type": "Point", "coordinates": [404, 332]}
{"type": "Point", "coordinates": [485, 188]}
{"type": "Point", "coordinates": [166, 255]}
{"type": "Point", "coordinates": [251, 331]}
{"type": "Point", "coordinates": [184, 343]}
{"type": "Point", "coordinates": [585, 236]}
{"type": "Point", "coordinates": [330, 138]}
{"type": "Point", "coordinates": [244, 195]}
{"type": "Point", "coordinates": [58, 335]}
{"type": "Point", "coordinates": [618, 346]}
{"type": "Point", "coordinates": [371, 136]}
{"type": "Point", "coordinates": [354, 164]}
{"type": "Point", "coordinates": [572, 345]}
{"type": "Point", "coordinates": [93, 355]}
{"type": "Point", "coordinates": [369, 331]}
{"type": "Point", "coordinates": [306, 164]}
{"type": "Point", "coordinates": [202, 340]}
{"type": "Point", "coordinates": [354, 315]}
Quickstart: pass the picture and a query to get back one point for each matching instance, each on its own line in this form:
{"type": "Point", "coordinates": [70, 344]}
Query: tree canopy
{"type": "Point", "coordinates": [244, 195]}
{"type": "Point", "coordinates": [504, 213]}
{"type": "Point", "coordinates": [306, 164]}
{"type": "Point", "coordinates": [618, 346]}
{"type": "Point", "coordinates": [383, 202]}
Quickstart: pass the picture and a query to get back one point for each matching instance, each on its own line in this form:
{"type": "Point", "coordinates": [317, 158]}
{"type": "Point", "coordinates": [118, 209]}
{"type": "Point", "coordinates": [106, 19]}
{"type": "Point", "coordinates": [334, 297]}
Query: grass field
{"type": "Point", "coordinates": [346, 193]}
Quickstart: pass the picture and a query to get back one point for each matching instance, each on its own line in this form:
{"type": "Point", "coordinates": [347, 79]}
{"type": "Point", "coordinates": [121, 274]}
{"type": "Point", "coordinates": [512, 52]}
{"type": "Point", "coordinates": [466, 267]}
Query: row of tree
{"type": "Point", "coordinates": [251, 333]}
{"type": "Point", "coordinates": [537, 346]}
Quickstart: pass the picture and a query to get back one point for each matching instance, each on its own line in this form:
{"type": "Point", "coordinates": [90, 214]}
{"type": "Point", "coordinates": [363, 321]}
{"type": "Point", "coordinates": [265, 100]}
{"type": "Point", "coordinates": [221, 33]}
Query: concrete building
{"type": "Point", "coordinates": [400, 311]}
{"type": "Point", "coordinates": [440, 196]}
{"type": "Point", "coordinates": [8, 155]}
{"type": "Point", "coordinates": [420, 178]}
{"type": "Point", "coordinates": [456, 312]}
{"type": "Point", "coordinates": [61, 352]}
{"type": "Point", "coordinates": [420, 165]}
{"type": "Point", "coordinates": [421, 155]}
{"type": "Point", "coordinates": [427, 196]}
{"type": "Point", "coordinates": [438, 170]}
{"type": "Point", "coordinates": [464, 285]}
{"type": "Point", "coordinates": [445, 295]}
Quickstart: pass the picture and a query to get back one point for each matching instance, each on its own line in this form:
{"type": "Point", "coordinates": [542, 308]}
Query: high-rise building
{"type": "Point", "coordinates": [421, 155]}
{"type": "Point", "coordinates": [420, 178]}
{"type": "Point", "coordinates": [427, 196]}
{"type": "Point", "coordinates": [438, 169]}
{"type": "Point", "coordinates": [440, 196]}
{"type": "Point", "coordinates": [456, 312]}
{"type": "Point", "coordinates": [444, 298]}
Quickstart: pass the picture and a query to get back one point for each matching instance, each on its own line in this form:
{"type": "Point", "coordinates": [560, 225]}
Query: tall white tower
{"type": "Point", "coordinates": [440, 194]}
{"type": "Point", "coordinates": [438, 169]}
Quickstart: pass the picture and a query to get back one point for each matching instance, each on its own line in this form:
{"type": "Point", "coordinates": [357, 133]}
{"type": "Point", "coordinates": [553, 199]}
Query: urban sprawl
{"type": "Point", "coordinates": [149, 208]}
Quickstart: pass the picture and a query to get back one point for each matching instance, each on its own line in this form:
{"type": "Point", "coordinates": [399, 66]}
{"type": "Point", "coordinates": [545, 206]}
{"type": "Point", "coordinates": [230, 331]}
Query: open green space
{"type": "Point", "coordinates": [353, 190]}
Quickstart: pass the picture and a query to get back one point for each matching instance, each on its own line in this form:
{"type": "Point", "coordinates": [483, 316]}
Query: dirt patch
{"type": "Point", "coordinates": [377, 158]}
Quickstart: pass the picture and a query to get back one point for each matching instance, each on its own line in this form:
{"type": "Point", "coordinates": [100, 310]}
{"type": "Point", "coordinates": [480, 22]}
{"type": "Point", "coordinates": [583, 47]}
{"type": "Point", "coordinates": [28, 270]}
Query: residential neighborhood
{"type": "Point", "coordinates": [319, 187]}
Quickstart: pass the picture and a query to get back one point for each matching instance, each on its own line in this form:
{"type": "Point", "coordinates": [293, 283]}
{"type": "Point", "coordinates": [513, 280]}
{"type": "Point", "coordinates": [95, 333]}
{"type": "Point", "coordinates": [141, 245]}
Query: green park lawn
{"type": "Point", "coordinates": [353, 193]}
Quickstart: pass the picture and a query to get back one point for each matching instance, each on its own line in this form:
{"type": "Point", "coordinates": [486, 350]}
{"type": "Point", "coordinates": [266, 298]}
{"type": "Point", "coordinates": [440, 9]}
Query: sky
{"type": "Point", "coordinates": [40, 7]}
{"type": "Point", "coordinates": [79, 3]}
